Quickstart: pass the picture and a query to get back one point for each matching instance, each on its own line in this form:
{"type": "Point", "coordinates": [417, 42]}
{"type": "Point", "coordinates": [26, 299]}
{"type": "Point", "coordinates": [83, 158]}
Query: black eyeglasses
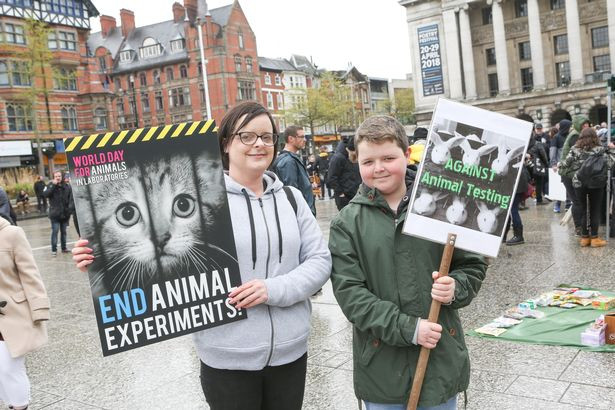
{"type": "Point", "coordinates": [249, 138]}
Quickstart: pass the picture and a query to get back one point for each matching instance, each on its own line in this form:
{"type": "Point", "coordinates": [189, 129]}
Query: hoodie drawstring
{"type": "Point", "coordinates": [277, 220]}
{"type": "Point", "coordinates": [245, 194]}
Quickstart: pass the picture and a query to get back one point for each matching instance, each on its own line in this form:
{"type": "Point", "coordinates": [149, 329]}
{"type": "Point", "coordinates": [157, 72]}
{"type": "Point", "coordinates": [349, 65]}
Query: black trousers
{"type": "Point", "coordinates": [273, 388]}
{"type": "Point", "coordinates": [591, 198]}
{"type": "Point", "coordinates": [540, 180]}
{"type": "Point", "coordinates": [578, 208]}
{"type": "Point", "coordinates": [341, 201]}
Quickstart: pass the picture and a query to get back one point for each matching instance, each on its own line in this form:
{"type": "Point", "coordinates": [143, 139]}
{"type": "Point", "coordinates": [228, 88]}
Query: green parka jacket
{"type": "Point", "coordinates": [382, 282]}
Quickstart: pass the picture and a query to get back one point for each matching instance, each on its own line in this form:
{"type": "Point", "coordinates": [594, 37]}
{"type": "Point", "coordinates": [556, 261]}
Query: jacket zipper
{"type": "Point", "coordinates": [260, 201]}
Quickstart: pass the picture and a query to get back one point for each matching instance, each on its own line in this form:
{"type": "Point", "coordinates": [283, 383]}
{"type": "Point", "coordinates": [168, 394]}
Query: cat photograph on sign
{"type": "Point", "coordinates": [468, 176]}
{"type": "Point", "coordinates": [153, 206]}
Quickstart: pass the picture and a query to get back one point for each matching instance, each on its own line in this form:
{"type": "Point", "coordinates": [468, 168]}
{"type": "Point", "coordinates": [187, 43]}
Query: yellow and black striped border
{"type": "Point", "coordinates": [111, 139]}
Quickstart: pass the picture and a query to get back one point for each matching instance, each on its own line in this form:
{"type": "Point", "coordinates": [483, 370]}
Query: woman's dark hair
{"type": "Point", "coordinates": [230, 125]}
{"type": "Point", "coordinates": [588, 139]}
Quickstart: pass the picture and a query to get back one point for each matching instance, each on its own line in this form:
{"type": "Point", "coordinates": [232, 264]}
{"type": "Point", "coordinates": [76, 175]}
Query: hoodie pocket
{"type": "Point", "coordinates": [19, 297]}
{"type": "Point", "coordinates": [372, 346]}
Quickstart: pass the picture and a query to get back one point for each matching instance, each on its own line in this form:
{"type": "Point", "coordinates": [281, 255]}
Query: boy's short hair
{"type": "Point", "coordinates": [291, 131]}
{"type": "Point", "coordinates": [380, 128]}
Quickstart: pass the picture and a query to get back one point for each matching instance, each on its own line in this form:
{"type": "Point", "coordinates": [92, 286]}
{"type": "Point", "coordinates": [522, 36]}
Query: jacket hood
{"type": "Point", "coordinates": [578, 122]}
{"type": "Point", "coordinates": [564, 126]}
{"type": "Point", "coordinates": [270, 179]}
{"type": "Point", "coordinates": [341, 149]}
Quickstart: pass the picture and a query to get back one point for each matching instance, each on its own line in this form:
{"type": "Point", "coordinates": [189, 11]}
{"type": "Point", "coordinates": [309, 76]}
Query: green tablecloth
{"type": "Point", "coordinates": [559, 327]}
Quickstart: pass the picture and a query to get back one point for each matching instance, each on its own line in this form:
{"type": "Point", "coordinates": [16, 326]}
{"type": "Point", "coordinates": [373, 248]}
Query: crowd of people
{"type": "Point", "coordinates": [383, 280]}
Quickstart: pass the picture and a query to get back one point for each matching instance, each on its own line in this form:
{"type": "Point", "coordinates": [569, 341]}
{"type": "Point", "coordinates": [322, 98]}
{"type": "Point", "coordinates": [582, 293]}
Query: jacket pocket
{"type": "Point", "coordinates": [372, 346]}
{"type": "Point", "coordinates": [19, 297]}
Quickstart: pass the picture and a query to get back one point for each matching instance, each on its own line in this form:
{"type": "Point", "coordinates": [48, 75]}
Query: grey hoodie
{"type": "Point", "coordinates": [289, 252]}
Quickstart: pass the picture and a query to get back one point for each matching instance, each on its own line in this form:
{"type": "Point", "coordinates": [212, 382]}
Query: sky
{"type": "Point", "coordinates": [370, 34]}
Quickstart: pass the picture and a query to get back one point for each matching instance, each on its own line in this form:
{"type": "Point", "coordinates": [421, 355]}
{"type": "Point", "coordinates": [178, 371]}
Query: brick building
{"type": "Point", "coordinates": [67, 109]}
{"type": "Point", "coordinates": [154, 71]}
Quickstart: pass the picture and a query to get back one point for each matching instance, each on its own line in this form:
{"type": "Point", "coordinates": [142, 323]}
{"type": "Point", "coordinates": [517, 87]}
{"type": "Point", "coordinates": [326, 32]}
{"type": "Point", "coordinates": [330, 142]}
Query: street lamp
{"type": "Point", "coordinates": [203, 65]}
{"type": "Point", "coordinates": [134, 99]}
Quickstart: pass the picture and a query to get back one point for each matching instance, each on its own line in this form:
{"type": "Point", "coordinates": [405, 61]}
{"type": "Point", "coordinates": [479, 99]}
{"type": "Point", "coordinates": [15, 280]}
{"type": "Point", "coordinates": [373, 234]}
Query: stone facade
{"type": "Point", "coordinates": [541, 60]}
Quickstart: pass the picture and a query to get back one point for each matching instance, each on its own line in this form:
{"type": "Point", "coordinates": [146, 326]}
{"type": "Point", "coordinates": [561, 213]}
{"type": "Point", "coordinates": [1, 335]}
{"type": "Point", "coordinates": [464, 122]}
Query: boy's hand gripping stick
{"type": "Point", "coordinates": [434, 312]}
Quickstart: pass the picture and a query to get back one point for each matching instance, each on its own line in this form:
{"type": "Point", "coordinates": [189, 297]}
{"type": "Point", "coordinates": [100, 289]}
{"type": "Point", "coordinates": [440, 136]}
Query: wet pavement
{"type": "Point", "coordinates": [70, 372]}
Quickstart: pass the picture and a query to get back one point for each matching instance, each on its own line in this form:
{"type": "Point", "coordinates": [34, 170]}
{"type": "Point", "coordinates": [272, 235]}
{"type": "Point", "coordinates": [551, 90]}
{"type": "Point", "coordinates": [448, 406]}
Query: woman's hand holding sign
{"type": "Point", "coordinates": [443, 289]}
{"type": "Point", "coordinates": [249, 294]}
{"type": "Point", "coordinates": [82, 255]}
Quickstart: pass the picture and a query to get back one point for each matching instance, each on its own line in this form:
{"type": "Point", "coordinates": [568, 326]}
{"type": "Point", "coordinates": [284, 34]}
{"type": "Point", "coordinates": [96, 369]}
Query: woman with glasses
{"type": "Point", "coordinates": [260, 362]}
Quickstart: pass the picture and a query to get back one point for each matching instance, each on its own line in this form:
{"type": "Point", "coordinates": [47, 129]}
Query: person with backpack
{"type": "Point", "coordinates": [588, 162]}
{"type": "Point", "coordinates": [260, 362]}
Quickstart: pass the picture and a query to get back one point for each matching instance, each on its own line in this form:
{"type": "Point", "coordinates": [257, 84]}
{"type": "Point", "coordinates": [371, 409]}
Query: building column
{"type": "Point", "coordinates": [533, 21]}
{"type": "Point", "coordinates": [575, 53]}
{"type": "Point", "coordinates": [501, 55]}
{"type": "Point", "coordinates": [452, 54]}
{"type": "Point", "coordinates": [610, 11]}
{"type": "Point", "coordinates": [466, 51]}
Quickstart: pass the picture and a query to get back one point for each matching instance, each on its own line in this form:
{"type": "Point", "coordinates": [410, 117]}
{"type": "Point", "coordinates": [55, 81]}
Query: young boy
{"type": "Point", "coordinates": [384, 281]}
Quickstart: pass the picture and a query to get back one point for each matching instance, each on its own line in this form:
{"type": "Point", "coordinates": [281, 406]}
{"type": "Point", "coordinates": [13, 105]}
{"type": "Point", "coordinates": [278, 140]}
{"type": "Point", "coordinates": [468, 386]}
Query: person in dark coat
{"type": "Point", "coordinates": [41, 201]}
{"type": "Point", "coordinates": [344, 175]}
{"type": "Point", "coordinates": [60, 198]}
{"type": "Point", "coordinates": [6, 211]}
{"type": "Point", "coordinates": [515, 217]}
{"type": "Point", "coordinates": [540, 163]}
{"type": "Point", "coordinates": [322, 161]}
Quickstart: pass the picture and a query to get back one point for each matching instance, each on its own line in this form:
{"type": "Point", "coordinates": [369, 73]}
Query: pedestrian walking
{"type": "Point", "coordinates": [539, 162]}
{"type": "Point", "coordinates": [520, 196]}
{"type": "Point", "coordinates": [24, 308]}
{"type": "Point", "coordinates": [322, 162]}
{"type": "Point", "coordinates": [290, 168]}
{"type": "Point", "coordinates": [60, 198]}
{"type": "Point", "coordinates": [589, 190]}
{"type": "Point", "coordinates": [260, 363]}
{"type": "Point", "coordinates": [39, 188]}
{"type": "Point", "coordinates": [344, 177]}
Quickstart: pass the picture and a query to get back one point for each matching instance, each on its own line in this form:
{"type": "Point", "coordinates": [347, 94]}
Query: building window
{"type": "Point", "coordinates": [237, 63]}
{"type": "Point", "coordinates": [69, 118]}
{"type": "Point", "coordinates": [600, 37]}
{"type": "Point", "coordinates": [66, 7]}
{"type": "Point", "coordinates": [14, 34]}
{"type": "Point", "coordinates": [487, 16]}
{"type": "Point", "coordinates": [562, 72]}
{"type": "Point", "coordinates": [270, 101]}
{"type": "Point", "coordinates": [202, 93]}
{"type": "Point", "coordinates": [602, 63]}
{"type": "Point", "coordinates": [183, 71]}
{"type": "Point", "coordinates": [521, 8]}
{"type": "Point", "coordinates": [249, 64]}
{"type": "Point", "coordinates": [120, 107]}
{"type": "Point", "coordinates": [245, 91]}
{"type": "Point", "coordinates": [65, 79]}
{"type": "Point", "coordinates": [145, 102]}
{"type": "Point", "coordinates": [156, 76]}
{"type": "Point", "coordinates": [19, 117]}
{"type": "Point", "coordinates": [558, 4]}
{"type": "Point", "coordinates": [100, 119]}
{"type": "Point", "coordinates": [67, 40]}
{"type": "Point", "coordinates": [241, 45]}
{"type": "Point", "coordinates": [132, 105]}
{"type": "Point", "coordinates": [150, 51]}
{"type": "Point", "coordinates": [177, 45]}
{"type": "Point", "coordinates": [19, 73]}
{"type": "Point", "coordinates": [102, 62]}
{"type": "Point", "coordinates": [525, 52]}
{"type": "Point", "coordinates": [267, 79]}
{"type": "Point", "coordinates": [125, 56]}
{"type": "Point", "coordinates": [4, 73]}
{"type": "Point", "coordinates": [490, 54]}
{"type": "Point", "coordinates": [493, 84]}
{"type": "Point", "coordinates": [527, 79]}
{"type": "Point", "coordinates": [280, 101]}
{"type": "Point", "coordinates": [560, 44]}
{"type": "Point", "coordinates": [158, 99]}
{"type": "Point", "coordinates": [278, 79]}
{"type": "Point", "coordinates": [52, 40]}
{"type": "Point", "coordinates": [169, 72]}
{"type": "Point", "coordinates": [179, 97]}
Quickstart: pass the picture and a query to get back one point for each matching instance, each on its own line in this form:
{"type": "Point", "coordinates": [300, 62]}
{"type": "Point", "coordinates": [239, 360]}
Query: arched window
{"type": "Point", "coordinates": [156, 77]}
{"type": "Point", "coordinates": [249, 64]}
{"type": "Point", "coordinates": [238, 63]}
{"type": "Point", "coordinates": [150, 48]}
{"type": "Point", "coordinates": [149, 42]}
{"type": "Point", "coordinates": [183, 71]}
{"type": "Point", "coordinates": [142, 79]}
{"type": "Point", "coordinates": [19, 117]}
{"type": "Point", "coordinates": [170, 74]}
{"type": "Point", "coordinates": [69, 118]}
{"type": "Point", "coordinates": [241, 44]}
{"type": "Point", "coordinates": [100, 119]}
{"type": "Point", "coordinates": [4, 73]}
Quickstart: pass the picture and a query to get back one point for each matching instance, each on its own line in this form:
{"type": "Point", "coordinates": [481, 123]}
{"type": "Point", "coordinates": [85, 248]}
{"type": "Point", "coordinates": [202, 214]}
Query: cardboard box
{"type": "Point", "coordinates": [610, 328]}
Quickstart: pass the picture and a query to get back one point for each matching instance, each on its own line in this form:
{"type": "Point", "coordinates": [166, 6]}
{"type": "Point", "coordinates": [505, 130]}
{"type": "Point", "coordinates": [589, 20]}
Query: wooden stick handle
{"type": "Point", "coordinates": [434, 312]}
